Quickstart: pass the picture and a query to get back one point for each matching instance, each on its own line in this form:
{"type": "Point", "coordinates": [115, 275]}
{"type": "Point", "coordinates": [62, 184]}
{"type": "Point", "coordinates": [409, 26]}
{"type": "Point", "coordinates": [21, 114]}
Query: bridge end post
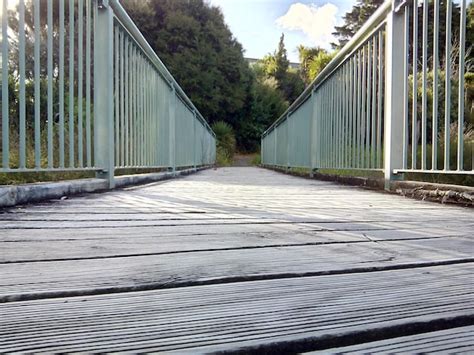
{"type": "Point", "coordinates": [394, 95]}
{"type": "Point", "coordinates": [103, 92]}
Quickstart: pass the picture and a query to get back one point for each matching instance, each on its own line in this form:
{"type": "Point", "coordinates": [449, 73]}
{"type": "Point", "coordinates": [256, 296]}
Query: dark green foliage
{"type": "Point", "coordinates": [281, 61]}
{"type": "Point", "coordinates": [200, 51]}
{"type": "Point", "coordinates": [354, 19]}
{"type": "Point", "coordinates": [193, 41]}
{"type": "Point", "coordinates": [276, 66]}
{"type": "Point", "coordinates": [268, 104]}
{"type": "Point", "coordinates": [313, 60]}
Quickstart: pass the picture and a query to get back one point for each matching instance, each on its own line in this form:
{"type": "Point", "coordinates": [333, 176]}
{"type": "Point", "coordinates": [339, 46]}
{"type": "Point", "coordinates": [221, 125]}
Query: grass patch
{"type": "Point", "coordinates": [14, 178]}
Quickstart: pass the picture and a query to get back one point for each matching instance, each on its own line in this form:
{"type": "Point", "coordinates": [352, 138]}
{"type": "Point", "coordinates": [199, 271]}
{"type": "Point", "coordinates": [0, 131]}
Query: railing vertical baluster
{"type": "Point", "coordinates": [349, 114]}
{"type": "Point", "coordinates": [342, 160]}
{"type": "Point", "coordinates": [80, 60]}
{"type": "Point", "coordinates": [374, 102]}
{"type": "Point", "coordinates": [325, 126]}
{"type": "Point", "coordinates": [135, 122]}
{"type": "Point", "coordinates": [116, 95]}
{"type": "Point", "coordinates": [313, 134]}
{"type": "Point", "coordinates": [344, 115]}
{"type": "Point", "coordinates": [359, 106]}
{"type": "Point", "coordinates": [88, 84]}
{"type": "Point", "coordinates": [194, 140]}
{"type": "Point", "coordinates": [37, 94]}
{"type": "Point", "coordinates": [363, 108]}
{"type": "Point", "coordinates": [133, 110]}
{"type": "Point", "coordinates": [354, 115]}
{"type": "Point", "coordinates": [22, 98]}
{"type": "Point", "coordinates": [275, 147]}
{"type": "Point", "coordinates": [61, 84]}
{"type": "Point", "coordinates": [143, 111]}
{"type": "Point", "coordinates": [122, 102]}
{"type": "Point", "coordinates": [447, 87]}
{"type": "Point", "coordinates": [340, 118]}
{"type": "Point", "coordinates": [172, 131]}
{"type": "Point", "coordinates": [379, 100]}
{"type": "Point", "coordinates": [434, 136]}
{"type": "Point", "coordinates": [369, 104]}
{"type": "Point", "coordinates": [414, 127]}
{"type": "Point", "coordinates": [104, 86]}
{"type": "Point", "coordinates": [50, 82]}
{"type": "Point", "coordinates": [424, 99]}
{"type": "Point", "coordinates": [406, 94]}
{"type": "Point", "coordinates": [71, 83]}
{"type": "Point", "coordinates": [333, 124]}
{"type": "Point", "coordinates": [462, 51]}
{"type": "Point", "coordinates": [127, 103]}
{"type": "Point", "coordinates": [319, 125]}
{"type": "Point", "coordinates": [5, 80]}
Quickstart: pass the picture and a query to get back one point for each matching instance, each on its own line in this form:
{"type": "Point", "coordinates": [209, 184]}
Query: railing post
{"type": "Point", "coordinates": [394, 95]}
{"type": "Point", "coordinates": [275, 130]}
{"type": "Point", "coordinates": [194, 141]}
{"type": "Point", "coordinates": [288, 142]}
{"type": "Point", "coordinates": [103, 92]}
{"type": "Point", "coordinates": [172, 131]}
{"type": "Point", "coordinates": [312, 140]}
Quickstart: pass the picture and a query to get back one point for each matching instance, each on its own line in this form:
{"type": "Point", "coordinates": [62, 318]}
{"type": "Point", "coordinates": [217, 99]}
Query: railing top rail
{"type": "Point", "coordinates": [133, 30]}
{"type": "Point", "coordinates": [366, 30]}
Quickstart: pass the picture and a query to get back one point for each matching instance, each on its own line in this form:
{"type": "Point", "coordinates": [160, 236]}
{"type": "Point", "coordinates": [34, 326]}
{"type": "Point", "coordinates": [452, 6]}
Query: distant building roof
{"type": "Point", "coordinates": [252, 61]}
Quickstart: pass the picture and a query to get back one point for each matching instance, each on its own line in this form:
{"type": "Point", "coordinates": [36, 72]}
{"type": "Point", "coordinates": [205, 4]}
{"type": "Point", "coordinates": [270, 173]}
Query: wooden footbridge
{"type": "Point", "coordinates": [237, 259]}
{"type": "Point", "coordinates": [242, 259]}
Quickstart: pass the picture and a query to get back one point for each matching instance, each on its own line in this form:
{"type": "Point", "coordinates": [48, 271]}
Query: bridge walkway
{"type": "Point", "coordinates": [237, 258]}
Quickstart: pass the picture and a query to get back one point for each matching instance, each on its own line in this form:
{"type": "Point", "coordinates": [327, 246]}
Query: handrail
{"type": "Point", "coordinates": [118, 106]}
{"type": "Point", "coordinates": [365, 31]}
{"type": "Point", "coordinates": [369, 108]}
{"type": "Point", "coordinates": [132, 28]}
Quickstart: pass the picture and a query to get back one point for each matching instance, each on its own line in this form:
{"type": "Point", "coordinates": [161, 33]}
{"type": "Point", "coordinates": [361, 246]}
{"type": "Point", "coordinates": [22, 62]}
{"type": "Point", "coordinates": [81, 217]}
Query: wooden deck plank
{"type": "Point", "coordinates": [456, 340]}
{"type": "Point", "coordinates": [222, 227]}
{"type": "Point", "coordinates": [91, 274]}
{"type": "Point", "coordinates": [237, 315]}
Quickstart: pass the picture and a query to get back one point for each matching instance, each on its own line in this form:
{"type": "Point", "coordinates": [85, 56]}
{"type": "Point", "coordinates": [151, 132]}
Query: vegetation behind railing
{"type": "Point", "coordinates": [83, 92]}
{"type": "Point", "coordinates": [381, 105]}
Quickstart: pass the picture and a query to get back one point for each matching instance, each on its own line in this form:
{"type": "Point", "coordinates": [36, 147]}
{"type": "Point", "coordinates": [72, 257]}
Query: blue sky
{"type": "Point", "coordinates": [258, 24]}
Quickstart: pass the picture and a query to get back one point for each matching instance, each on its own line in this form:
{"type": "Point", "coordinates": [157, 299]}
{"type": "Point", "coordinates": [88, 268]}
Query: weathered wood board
{"type": "Point", "coordinates": [239, 315]}
{"type": "Point", "coordinates": [260, 241]}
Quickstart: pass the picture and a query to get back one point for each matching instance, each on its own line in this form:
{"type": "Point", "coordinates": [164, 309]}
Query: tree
{"type": "Point", "coordinates": [268, 104]}
{"type": "Point", "coordinates": [277, 66]}
{"type": "Point", "coordinates": [360, 13]}
{"type": "Point", "coordinates": [306, 56]}
{"type": "Point", "coordinates": [193, 41]}
{"type": "Point", "coordinates": [281, 60]}
{"type": "Point", "coordinates": [313, 60]}
{"type": "Point", "coordinates": [354, 20]}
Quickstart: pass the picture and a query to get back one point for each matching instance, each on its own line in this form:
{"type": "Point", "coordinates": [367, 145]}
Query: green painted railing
{"type": "Point", "coordinates": [82, 90]}
{"type": "Point", "coordinates": [369, 108]}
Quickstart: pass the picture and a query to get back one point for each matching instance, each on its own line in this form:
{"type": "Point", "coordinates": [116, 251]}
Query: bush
{"type": "Point", "coordinates": [225, 143]}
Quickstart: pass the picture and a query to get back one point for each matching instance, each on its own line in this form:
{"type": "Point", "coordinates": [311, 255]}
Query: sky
{"type": "Point", "coordinates": [258, 24]}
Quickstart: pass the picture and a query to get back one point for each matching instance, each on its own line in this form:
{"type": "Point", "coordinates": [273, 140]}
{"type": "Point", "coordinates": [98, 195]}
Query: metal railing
{"type": "Point", "coordinates": [369, 108]}
{"type": "Point", "coordinates": [82, 90]}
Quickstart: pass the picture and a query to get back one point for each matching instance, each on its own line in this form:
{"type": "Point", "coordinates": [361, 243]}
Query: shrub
{"type": "Point", "coordinates": [225, 143]}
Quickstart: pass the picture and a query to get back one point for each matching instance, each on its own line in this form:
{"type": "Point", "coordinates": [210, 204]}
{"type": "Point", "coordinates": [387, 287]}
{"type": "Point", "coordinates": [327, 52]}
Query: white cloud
{"type": "Point", "coordinates": [316, 22]}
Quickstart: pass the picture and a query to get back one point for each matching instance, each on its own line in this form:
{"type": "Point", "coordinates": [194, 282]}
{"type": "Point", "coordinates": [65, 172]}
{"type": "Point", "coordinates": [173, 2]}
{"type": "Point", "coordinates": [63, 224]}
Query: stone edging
{"type": "Point", "coordinates": [12, 195]}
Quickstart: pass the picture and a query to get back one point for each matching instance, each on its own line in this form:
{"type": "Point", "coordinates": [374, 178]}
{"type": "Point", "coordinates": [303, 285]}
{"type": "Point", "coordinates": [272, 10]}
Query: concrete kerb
{"type": "Point", "coordinates": [28, 193]}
